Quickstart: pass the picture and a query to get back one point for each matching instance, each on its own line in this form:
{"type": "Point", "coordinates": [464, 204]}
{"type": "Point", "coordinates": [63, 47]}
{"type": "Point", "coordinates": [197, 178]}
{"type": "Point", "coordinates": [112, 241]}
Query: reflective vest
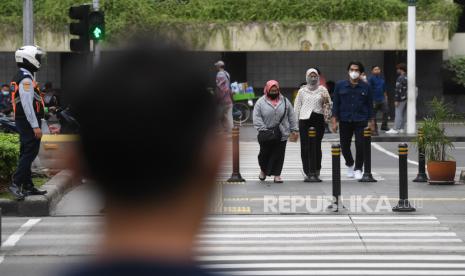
{"type": "Point", "coordinates": [38, 102]}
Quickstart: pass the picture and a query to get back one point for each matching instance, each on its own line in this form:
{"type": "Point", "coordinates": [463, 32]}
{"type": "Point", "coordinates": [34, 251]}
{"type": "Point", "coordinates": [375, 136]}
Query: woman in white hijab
{"type": "Point", "coordinates": [310, 109]}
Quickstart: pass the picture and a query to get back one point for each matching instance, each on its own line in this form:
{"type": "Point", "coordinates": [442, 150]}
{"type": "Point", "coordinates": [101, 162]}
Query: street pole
{"type": "Point", "coordinates": [97, 50]}
{"type": "Point", "coordinates": [411, 66]}
{"type": "Point", "coordinates": [28, 23]}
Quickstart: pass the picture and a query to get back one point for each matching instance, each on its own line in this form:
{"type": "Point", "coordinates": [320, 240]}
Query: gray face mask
{"type": "Point", "coordinates": [312, 80]}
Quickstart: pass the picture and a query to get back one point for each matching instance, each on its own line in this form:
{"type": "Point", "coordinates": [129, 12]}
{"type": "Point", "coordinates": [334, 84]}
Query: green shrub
{"type": "Point", "coordinates": [9, 155]}
{"type": "Point", "coordinates": [457, 66]}
{"type": "Point", "coordinates": [124, 16]}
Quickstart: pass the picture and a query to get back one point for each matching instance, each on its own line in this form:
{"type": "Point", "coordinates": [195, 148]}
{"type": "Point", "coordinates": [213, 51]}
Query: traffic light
{"type": "Point", "coordinates": [97, 25]}
{"type": "Point", "coordinates": [80, 28]}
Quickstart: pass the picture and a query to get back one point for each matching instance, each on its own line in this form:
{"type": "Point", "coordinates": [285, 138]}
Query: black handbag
{"type": "Point", "coordinates": [274, 134]}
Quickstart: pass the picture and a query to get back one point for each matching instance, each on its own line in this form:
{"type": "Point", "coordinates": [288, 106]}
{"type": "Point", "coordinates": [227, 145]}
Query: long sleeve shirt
{"type": "Point", "coordinates": [401, 89]}
{"type": "Point", "coordinates": [352, 103]}
{"type": "Point", "coordinates": [308, 101]}
{"type": "Point", "coordinates": [26, 94]}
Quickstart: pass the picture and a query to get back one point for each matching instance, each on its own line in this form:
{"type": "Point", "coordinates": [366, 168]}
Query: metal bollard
{"type": "Point", "coordinates": [367, 176]}
{"type": "Point", "coordinates": [403, 205]}
{"type": "Point", "coordinates": [236, 175]}
{"type": "Point", "coordinates": [336, 156]}
{"type": "Point", "coordinates": [312, 175]}
{"type": "Point", "coordinates": [421, 176]}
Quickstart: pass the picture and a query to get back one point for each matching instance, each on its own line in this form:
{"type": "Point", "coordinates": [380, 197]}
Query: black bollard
{"type": "Point", "coordinates": [336, 156]}
{"type": "Point", "coordinates": [236, 175]}
{"type": "Point", "coordinates": [312, 175]}
{"type": "Point", "coordinates": [421, 176]}
{"type": "Point", "coordinates": [404, 204]}
{"type": "Point", "coordinates": [367, 176]}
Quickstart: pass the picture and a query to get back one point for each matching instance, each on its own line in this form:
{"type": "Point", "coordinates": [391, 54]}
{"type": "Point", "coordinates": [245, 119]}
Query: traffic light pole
{"type": "Point", "coordinates": [96, 59]}
{"type": "Point", "coordinates": [28, 23]}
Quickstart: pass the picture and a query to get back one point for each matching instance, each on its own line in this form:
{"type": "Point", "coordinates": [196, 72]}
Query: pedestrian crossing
{"type": "Point", "coordinates": [329, 245]}
{"type": "Point", "coordinates": [276, 244]}
{"type": "Point", "coordinates": [292, 169]}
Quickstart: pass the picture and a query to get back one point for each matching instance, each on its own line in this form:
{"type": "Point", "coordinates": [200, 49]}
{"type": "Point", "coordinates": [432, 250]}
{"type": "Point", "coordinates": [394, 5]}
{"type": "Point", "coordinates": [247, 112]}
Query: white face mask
{"type": "Point", "coordinates": [354, 75]}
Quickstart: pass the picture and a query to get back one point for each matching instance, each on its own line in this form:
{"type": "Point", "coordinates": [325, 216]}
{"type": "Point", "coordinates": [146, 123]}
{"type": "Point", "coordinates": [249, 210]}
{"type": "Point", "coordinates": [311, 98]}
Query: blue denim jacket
{"type": "Point", "coordinates": [352, 104]}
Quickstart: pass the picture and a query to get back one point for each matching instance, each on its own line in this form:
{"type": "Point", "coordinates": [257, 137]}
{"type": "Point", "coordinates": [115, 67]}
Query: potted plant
{"type": "Point", "coordinates": [440, 166]}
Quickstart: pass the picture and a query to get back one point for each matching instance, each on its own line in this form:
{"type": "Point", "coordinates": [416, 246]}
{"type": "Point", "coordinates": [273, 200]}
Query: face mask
{"type": "Point", "coordinates": [273, 96]}
{"type": "Point", "coordinates": [5, 93]}
{"type": "Point", "coordinates": [354, 75]}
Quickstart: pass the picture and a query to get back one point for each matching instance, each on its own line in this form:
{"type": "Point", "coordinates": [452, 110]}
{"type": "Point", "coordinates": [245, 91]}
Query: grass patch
{"type": "Point", "coordinates": [38, 182]}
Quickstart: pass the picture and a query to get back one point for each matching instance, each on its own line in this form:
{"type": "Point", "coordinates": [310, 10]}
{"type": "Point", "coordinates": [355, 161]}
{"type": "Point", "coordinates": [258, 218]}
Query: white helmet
{"type": "Point", "coordinates": [33, 54]}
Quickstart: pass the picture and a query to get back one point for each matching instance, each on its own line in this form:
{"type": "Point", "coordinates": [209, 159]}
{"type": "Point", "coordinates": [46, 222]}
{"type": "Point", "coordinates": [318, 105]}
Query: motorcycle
{"type": "Point", "coordinates": [7, 124]}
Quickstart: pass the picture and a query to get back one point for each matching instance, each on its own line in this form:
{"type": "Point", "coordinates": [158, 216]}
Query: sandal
{"type": "Point", "coordinates": [277, 179]}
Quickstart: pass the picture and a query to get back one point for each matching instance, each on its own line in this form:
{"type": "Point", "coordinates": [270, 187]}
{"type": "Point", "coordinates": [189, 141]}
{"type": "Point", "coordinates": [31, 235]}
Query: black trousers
{"type": "Point", "coordinates": [347, 131]}
{"type": "Point", "coordinates": [377, 107]}
{"type": "Point", "coordinates": [318, 122]}
{"type": "Point", "coordinates": [271, 157]}
{"type": "Point", "coordinates": [28, 151]}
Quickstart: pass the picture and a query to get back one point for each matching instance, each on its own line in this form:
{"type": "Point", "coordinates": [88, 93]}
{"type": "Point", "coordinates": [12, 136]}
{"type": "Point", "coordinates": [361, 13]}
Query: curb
{"type": "Point", "coordinates": [34, 206]}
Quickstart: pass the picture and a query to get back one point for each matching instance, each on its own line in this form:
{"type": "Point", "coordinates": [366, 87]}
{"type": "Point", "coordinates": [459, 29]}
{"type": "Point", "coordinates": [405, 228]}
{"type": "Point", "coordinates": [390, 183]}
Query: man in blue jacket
{"type": "Point", "coordinates": [352, 109]}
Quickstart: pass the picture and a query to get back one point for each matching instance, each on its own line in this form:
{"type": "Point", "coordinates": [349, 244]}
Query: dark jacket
{"type": "Point", "coordinates": [352, 104]}
{"type": "Point", "coordinates": [400, 94]}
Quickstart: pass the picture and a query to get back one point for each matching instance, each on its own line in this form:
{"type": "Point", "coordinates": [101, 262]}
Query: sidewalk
{"type": "Point", "coordinates": [454, 130]}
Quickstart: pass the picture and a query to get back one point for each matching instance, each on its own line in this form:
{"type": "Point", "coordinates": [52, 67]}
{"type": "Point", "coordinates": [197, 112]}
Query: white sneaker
{"type": "Point", "coordinates": [350, 172]}
{"type": "Point", "coordinates": [358, 174]}
{"type": "Point", "coordinates": [392, 131]}
{"type": "Point", "coordinates": [401, 130]}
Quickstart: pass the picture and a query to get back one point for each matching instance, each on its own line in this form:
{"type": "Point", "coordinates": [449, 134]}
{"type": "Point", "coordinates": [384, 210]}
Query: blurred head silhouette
{"type": "Point", "coordinates": [155, 163]}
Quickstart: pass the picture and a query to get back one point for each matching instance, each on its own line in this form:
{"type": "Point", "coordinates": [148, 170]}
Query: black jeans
{"type": "Point", "coordinates": [381, 106]}
{"type": "Point", "coordinates": [318, 122]}
{"type": "Point", "coordinates": [347, 130]}
{"type": "Point", "coordinates": [271, 157]}
{"type": "Point", "coordinates": [28, 151]}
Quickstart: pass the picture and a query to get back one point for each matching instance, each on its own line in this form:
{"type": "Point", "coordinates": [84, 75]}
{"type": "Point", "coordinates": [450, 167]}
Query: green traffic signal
{"type": "Point", "coordinates": [97, 33]}
{"type": "Point", "coordinates": [97, 25]}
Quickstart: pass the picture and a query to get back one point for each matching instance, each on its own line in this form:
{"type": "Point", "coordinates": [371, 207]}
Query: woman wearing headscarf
{"type": "Point", "coordinates": [310, 111]}
{"type": "Point", "coordinates": [273, 113]}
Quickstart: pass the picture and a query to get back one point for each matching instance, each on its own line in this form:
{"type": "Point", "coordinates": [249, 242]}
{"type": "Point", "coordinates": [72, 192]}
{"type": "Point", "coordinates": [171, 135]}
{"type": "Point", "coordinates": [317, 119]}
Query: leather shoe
{"type": "Point", "coordinates": [16, 192]}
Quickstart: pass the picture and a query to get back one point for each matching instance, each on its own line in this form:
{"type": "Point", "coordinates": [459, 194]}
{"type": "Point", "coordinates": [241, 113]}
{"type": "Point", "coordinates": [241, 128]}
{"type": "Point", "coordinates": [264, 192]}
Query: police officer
{"type": "Point", "coordinates": [28, 107]}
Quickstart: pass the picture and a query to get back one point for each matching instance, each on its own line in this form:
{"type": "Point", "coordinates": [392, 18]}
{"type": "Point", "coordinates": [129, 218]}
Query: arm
{"type": "Point", "coordinates": [370, 103]}
{"type": "Point", "coordinates": [298, 104]}
{"type": "Point", "coordinates": [26, 94]}
{"type": "Point", "coordinates": [335, 109]}
{"type": "Point", "coordinates": [257, 117]}
{"type": "Point", "coordinates": [292, 117]}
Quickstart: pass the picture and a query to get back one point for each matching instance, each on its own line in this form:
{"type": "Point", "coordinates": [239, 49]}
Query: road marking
{"type": "Point", "coordinates": [16, 236]}
{"type": "Point", "coordinates": [323, 241]}
{"type": "Point", "coordinates": [333, 265]}
{"type": "Point", "coordinates": [348, 272]}
{"type": "Point", "coordinates": [381, 149]}
{"type": "Point", "coordinates": [237, 210]}
{"type": "Point", "coordinates": [336, 257]}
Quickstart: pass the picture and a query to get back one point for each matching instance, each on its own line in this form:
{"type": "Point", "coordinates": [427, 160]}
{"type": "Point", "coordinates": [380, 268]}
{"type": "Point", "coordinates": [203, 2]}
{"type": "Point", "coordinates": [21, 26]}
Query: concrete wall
{"type": "Point", "coordinates": [456, 46]}
{"type": "Point", "coordinates": [336, 36]}
{"type": "Point", "coordinates": [50, 71]}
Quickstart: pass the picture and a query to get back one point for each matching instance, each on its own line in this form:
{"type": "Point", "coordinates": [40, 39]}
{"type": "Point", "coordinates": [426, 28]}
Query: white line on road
{"type": "Point", "coordinates": [333, 265]}
{"type": "Point", "coordinates": [16, 236]}
{"type": "Point", "coordinates": [381, 149]}
{"type": "Point", "coordinates": [331, 257]}
{"type": "Point", "coordinates": [349, 272]}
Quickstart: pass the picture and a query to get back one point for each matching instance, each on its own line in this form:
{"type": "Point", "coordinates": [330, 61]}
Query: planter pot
{"type": "Point", "coordinates": [441, 172]}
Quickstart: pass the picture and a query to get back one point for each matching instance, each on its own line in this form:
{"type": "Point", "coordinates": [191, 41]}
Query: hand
{"type": "Point", "coordinates": [37, 132]}
{"type": "Point", "coordinates": [334, 125]}
{"type": "Point", "coordinates": [396, 104]}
